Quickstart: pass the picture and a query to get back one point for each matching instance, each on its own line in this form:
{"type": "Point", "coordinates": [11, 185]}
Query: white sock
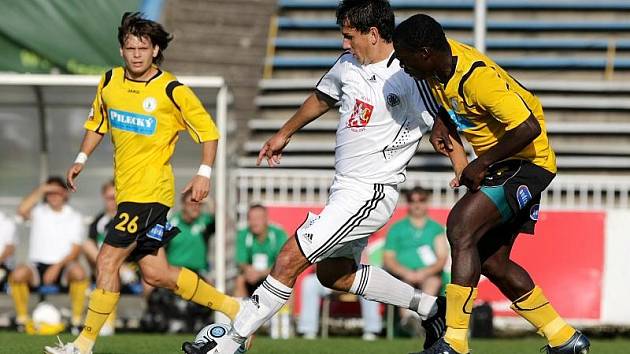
{"type": "Point", "coordinates": [265, 302]}
{"type": "Point", "coordinates": [374, 283]}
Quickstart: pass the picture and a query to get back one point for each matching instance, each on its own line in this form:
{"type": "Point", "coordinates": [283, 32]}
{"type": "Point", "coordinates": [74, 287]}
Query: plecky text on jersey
{"type": "Point", "coordinates": [132, 122]}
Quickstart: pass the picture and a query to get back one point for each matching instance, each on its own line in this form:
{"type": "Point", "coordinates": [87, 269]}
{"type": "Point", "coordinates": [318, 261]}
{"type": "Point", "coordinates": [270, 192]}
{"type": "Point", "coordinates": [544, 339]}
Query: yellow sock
{"type": "Point", "coordinates": [536, 309]}
{"type": "Point", "coordinates": [191, 288]}
{"type": "Point", "coordinates": [20, 293]}
{"type": "Point", "coordinates": [77, 299]}
{"type": "Point", "coordinates": [101, 304]}
{"type": "Point", "coordinates": [459, 305]}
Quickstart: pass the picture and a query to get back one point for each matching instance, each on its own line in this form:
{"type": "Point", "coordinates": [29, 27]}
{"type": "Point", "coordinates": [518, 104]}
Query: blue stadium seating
{"type": "Point", "coordinates": [538, 63]}
{"type": "Point", "coordinates": [491, 43]}
{"type": "Point", "coordinates": [291, 23]}
{"type": "Point", "coordinates": [469, 4]}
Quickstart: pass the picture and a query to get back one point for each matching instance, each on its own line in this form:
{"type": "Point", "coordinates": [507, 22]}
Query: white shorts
{"type": "Point", "coordinates": [354, 211]}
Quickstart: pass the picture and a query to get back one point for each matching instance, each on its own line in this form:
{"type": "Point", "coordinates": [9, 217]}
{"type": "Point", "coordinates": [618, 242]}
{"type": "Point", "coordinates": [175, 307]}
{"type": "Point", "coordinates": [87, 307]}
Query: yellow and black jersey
{"type": "Point", "coordinates": [485, 102]}
{"type": "Point", "coordinates": [144, 118]}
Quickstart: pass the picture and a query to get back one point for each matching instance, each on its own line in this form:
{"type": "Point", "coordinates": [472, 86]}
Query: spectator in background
{"type": "Point", "coordinates": [190, 247]}
{"type": "Point", "coordinates": [416, 250]}
{"type": "Point", "coordinates": [7, 248]}
{"type": "Point", "coordinates": [257, 247]}
{"type": "Point", "coordinates": [55, 244]}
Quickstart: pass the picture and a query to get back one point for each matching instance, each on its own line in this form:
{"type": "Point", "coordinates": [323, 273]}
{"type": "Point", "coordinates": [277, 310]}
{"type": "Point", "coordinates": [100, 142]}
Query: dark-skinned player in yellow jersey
{"type": "Point", "coordinates": [144, 108]}
{"type": "Point", "coordinates": [505, 125]}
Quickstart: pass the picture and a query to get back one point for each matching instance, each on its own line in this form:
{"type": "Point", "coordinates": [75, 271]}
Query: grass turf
{"type": "Point", "coordinates": [14, 343]}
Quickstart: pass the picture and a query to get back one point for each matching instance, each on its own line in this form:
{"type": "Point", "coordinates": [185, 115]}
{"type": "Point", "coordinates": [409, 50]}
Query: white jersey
{"type": "Point", "coordinates": [7, 233]}
{"type": "Point", "coordinates": [383, 116]}
{"type": "Point", "coordinates": [53, 233]}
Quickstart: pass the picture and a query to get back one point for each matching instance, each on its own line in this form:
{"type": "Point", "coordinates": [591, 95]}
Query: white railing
{"type": "Point", "coordinates": [310, 187]}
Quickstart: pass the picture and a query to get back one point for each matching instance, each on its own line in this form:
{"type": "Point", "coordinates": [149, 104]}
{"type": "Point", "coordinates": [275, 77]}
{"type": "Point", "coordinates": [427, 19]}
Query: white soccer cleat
{"type": "Point", "coordinates": [61, 348]}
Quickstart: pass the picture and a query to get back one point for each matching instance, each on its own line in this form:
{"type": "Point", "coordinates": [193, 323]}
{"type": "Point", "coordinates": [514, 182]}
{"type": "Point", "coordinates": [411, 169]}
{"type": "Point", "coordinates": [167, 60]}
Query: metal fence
{"type": "Point", "coordinates": [310, 187]}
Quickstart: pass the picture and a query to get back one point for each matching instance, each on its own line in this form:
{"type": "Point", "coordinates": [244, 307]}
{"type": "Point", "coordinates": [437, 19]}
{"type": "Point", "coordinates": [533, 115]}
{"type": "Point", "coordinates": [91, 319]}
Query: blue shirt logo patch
{"type": "Point", "coordinates": [461, 122]}
{"type": "Point", "coordinates": [156, 232]}
{"type": "Point", "coordinates": [533, 212]}
{"type": "Point", "coordinates": [523, 196]}
{"type": "Point", "coordinates": [132, 122]}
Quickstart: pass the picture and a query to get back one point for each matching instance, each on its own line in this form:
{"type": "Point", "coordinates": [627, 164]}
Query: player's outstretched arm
{"type": "Point", "coordinates": [90, 142]}
{"type": "Point", "coordinates": [199, 185]}
{"type": "Point", "coordinates": [313, 107]}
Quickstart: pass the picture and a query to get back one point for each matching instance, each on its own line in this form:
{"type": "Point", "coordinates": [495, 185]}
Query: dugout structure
{"type": "Point", "coordinates": [41, 121]}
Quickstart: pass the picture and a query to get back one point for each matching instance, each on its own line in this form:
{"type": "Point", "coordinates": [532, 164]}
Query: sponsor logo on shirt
{"type": "Point", "coordinates": [523, 195]}
{"type": "Point", "coordinates": [533, 212]}
{"type": "Point", "coordinates": [361, 114]}
{"type": "Point", "coordinates": [132, 122]}
{"type": "Point", "coordinates": [461, 122]}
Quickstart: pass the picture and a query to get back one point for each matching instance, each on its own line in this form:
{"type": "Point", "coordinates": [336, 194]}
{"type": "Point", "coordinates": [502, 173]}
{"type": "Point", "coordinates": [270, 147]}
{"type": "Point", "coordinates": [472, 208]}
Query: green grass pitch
{"type": "Point", "coordinates": [13, 343]}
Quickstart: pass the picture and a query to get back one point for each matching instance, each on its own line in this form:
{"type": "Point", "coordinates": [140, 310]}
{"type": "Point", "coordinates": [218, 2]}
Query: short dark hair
{"type": "Point", "coordinates": [416, 190]}
{"type": "Point", "coordinates": [256, 206]}
{"type": "Point", "coordinates": [56, 180]}
{"type": "Point", "coordinates": [363, 14]}
{"type": "Point", "coordinates": [420, 31]}
{"type": "Point", "coordinates": [133, 23]}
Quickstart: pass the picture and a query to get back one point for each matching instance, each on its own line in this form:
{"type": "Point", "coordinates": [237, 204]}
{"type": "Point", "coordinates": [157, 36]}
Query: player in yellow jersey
{"type": "Point", "coordinates": [144, 108]}
{"type": "Point", "coordinates": [505, 125]}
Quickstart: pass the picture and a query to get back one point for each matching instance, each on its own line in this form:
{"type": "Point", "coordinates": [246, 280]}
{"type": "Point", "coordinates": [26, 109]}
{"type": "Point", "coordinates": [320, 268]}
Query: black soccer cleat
{"type": "Point", "coordinates": [198, 348]}
{"type": "Point", "coordinates": [439, 347]}
{"type": "Point", "coordinates": [435, 326]}
{"type": "Point", "coordinates": [577, 344]}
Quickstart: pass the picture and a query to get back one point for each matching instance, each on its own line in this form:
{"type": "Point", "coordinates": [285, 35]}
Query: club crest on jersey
{"type": "Point", "coordinates": [393, 100]}
{"type": "Point", "coordinates": [361, 114]}
{"type": "Point", "coordinates": [132, 122]}
{"type": "Point", "coordinates": [523, 195]}
{"type": "Point", "coordinates": [149, 104]}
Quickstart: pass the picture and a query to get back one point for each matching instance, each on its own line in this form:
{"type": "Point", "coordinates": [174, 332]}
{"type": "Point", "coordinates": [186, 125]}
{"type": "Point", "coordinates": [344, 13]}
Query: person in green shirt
{"type": "Point", "coordinates": [416, 249]}
{"type": "Point", "coordinates": [257, 247]}
{"type": "Point", "coordinates": [190, 247]}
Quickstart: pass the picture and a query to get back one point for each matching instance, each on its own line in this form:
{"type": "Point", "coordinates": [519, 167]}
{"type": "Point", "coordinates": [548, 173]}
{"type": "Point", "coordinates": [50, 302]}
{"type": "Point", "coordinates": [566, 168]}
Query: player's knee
{"type": "Point", "coordinates": [158, 278]}
{"type": "Point", "coordinates": [493, 269]}
{"type": "Point", "coordinates": [76, 272]}
{"type": "Point", "coordinates": [21, 274]}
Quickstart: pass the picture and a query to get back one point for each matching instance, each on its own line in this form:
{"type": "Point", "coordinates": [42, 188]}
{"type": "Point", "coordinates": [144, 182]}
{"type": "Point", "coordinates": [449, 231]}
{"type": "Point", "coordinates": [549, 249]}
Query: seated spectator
{"type": "Point", "coordinates": [416, 250]}
{"type": "Point", "coordinates": [190, 247]}
{"type": "Point", "coordinates": [257, 247]}
{"type": "Point", "coordinates": [7, 248]}
{"type": "Point", "coordinates": [313, 292]}
{"type": "Point", "coordinates": [55, 244]}
{"type": "Point", "coordinates": [167, 311]}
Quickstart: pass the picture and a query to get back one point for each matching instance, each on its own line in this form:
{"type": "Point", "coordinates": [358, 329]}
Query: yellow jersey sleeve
{"type": "Point", "coordinates": [197, 120]}
{"type": "Point", "coordinates": [97, 118]}
{"type": "Point", "coordinates": [492, 94]}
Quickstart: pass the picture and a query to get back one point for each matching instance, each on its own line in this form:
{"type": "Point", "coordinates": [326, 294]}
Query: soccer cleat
{"type": "Point", "coordinates": [198, 348]}
{"type": "Point", "coordinates": [435, 326]}
{"type": "Point", "coordinates": [439, 347]}
{"type": "Point", "coordinates": [61, 348]}
{"type": "Point", "coordinates": [577, 344]}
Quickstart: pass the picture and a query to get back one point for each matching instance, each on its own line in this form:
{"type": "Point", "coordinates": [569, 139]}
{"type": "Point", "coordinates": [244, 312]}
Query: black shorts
{"type": "Point", "coordinates": [143, 223]}
{"type": "Point", "coordinates": [515, 187]}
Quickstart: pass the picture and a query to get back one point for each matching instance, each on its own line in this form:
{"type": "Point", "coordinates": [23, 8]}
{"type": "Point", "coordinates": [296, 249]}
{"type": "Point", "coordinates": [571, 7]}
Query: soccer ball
{"type": "Point", "coordinates": [215, 331]}
{"type": "Point", "coordinates": [46, 320]}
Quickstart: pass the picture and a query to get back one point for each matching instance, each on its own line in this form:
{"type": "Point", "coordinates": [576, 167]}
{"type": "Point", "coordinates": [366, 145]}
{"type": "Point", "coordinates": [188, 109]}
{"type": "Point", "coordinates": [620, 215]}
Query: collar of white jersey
{"type": "Point", "coordinates": [385, 63]}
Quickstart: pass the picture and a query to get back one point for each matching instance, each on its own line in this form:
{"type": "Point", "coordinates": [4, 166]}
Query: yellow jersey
{"type": "Point", "coordinates": [145, 118]}
{"type": "Point", "coordinates": [485, 102]}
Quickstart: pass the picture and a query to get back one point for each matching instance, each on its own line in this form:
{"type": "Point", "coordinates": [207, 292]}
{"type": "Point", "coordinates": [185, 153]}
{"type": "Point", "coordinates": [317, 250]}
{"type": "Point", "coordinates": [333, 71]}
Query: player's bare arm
{"type": "Point", "coordinates": [200, 184]}
{"type": "Point", "coordinates": [512, 142]}
{"type": "Point", "coordinates": [446, 141]}
{"type": "Point", "coordinates": [90, 142]}
{"type": "Point", "coordinates": [313, 107]}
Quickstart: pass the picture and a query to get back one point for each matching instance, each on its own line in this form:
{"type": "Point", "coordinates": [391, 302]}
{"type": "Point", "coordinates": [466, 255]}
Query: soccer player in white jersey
{"type": "Point", "coordinates": [383, 115]}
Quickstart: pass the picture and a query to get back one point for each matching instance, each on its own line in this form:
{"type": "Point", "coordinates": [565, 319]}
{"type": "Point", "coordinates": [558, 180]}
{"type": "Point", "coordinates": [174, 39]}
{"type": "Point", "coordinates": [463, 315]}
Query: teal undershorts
{"type": "Point", "coordinates": [497, 196]}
